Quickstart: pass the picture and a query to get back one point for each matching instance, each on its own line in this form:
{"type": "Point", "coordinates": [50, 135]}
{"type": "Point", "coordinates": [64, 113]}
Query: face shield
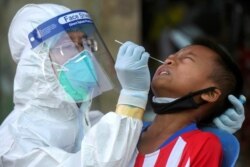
{"type": "Point", "coordinates": [71, 45]}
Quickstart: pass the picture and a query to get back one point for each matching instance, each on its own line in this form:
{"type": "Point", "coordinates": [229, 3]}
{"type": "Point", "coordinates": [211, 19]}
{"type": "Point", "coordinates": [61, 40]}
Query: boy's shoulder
{"type": "Point", "coordinates": [199, 137]}
{"type": "Point", "coordinates": [199, 134]}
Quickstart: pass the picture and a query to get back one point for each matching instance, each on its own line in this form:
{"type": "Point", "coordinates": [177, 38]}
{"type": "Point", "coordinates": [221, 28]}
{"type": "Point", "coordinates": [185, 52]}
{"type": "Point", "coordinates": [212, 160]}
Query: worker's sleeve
{"type": "Point", "coordinates": [110, 142]}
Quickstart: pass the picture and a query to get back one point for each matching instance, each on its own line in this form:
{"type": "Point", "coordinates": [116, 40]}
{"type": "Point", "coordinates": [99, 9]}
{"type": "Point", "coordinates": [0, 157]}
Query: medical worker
{"type": "Point", "coordinates": [64, 78]}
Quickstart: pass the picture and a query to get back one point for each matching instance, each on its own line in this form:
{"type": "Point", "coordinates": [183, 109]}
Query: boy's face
{"type": "Point", "coordinates": [186, 71]}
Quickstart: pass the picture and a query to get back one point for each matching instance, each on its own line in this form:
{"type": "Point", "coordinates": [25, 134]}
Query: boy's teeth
{"type": "Point", "coordinates": [164, 73]}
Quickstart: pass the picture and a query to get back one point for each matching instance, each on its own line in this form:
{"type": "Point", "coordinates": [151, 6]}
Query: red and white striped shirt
{"type": "Point", "coordinates": [189, 147]}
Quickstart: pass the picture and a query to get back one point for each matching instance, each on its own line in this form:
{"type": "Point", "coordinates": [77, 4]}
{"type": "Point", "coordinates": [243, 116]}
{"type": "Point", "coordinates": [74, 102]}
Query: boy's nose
{"type": "Point", "coordinates": [169, 61]}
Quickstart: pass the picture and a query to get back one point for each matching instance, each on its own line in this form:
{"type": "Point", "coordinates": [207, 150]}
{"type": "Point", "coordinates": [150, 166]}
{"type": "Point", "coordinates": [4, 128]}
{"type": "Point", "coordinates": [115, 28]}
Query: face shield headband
{"type": "Point", "coordinates": [183, 103]}
{"type": "Point", "coordinates": [58, 24]}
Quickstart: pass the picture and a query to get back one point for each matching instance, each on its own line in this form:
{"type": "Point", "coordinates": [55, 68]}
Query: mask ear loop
{"type": "Point", "coordinates": [84, 122]}
{"type": "Point", "coordinates": [61, 67]}
{"type": "Point", "coordinates": [84, 113]}
{"type": "Point", "coordinates": [61, 52]}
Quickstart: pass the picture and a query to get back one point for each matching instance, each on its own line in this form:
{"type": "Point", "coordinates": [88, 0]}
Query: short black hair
{"type": "Point", "coordinates": [227, 74]}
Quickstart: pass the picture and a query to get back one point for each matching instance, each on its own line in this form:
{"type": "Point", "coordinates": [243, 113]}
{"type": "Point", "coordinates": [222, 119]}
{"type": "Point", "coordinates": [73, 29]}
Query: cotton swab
{"type": "Point", "coordinates": [149, 56]}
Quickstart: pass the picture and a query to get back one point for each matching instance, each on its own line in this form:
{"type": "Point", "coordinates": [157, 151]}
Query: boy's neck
{"type": "Point", "coordinates": [170, 123]}
{"type": "Point", "coordinates": [163, 127]}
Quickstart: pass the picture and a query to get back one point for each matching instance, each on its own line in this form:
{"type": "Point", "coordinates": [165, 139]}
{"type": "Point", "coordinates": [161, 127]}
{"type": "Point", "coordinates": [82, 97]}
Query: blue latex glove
{"type": "Point", "coordinates": [133, 73]}
{"type": "Point", "coordinates": [233, 118]}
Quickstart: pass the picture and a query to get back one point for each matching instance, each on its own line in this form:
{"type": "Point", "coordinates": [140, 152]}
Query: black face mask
{"type": "Point", "coordinates": [183, 103]}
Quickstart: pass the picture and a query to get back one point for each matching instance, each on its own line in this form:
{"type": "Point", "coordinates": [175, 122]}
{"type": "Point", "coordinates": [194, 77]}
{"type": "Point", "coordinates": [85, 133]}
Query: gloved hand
{"type": "Point", "coordinates": [133, 73]}
{"type": "Point", "coordinates": [233, 118]}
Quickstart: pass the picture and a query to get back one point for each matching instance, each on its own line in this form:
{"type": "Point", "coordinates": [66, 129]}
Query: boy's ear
{"type": "Point", "coordinates": [211, 96]}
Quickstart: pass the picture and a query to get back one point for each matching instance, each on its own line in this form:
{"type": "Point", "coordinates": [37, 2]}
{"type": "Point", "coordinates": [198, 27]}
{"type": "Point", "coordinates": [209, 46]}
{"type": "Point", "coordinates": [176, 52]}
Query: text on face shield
{"type": "Point", "coordinates": [73, 17]}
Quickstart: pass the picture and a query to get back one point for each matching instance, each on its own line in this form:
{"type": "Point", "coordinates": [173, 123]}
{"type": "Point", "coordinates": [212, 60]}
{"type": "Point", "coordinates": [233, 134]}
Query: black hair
{"type": "Point", "coordinates": [227, 75]}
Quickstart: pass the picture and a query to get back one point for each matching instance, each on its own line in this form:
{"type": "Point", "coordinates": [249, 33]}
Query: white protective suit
{"type": "Point", "coordinates": [42, 130]}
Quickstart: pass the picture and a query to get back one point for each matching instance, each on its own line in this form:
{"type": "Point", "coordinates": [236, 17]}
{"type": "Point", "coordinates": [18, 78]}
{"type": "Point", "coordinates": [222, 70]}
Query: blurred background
{"type": "Point", "coordinates": [161, 26]}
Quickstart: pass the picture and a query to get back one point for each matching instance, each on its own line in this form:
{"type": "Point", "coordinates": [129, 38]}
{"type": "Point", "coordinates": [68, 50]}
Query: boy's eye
{"type": "Point", "coordinates": [188, 58]}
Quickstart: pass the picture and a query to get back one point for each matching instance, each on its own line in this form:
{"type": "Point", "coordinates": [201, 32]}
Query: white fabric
{"type": "Point", "coordinates": [188, 163]}
{"type": "Point", "coordinates": [176, 153]}
{"type": "Point", "coordinates": [163, 99]}
{"type": "Point", "coordinates": [173, 160]}
{"type": "Point", "coordinates": [98, 148]}
{"type": "Point", "coordinates": [43, 130]}
{"type": "Point", "coordinates": [27, 19]}
{"type": "Point", "coordinates": [151, 159]}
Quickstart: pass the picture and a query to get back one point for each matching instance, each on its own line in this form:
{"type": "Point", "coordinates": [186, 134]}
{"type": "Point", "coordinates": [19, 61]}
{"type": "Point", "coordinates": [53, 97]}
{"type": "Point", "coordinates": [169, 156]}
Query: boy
{"type": "Point", "coordinates": [190, 89]}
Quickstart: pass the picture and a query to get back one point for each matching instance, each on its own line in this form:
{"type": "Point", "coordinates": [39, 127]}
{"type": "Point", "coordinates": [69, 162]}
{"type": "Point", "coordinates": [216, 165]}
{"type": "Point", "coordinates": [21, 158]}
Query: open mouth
{"type": "Point", "coordinates": [164, 73]}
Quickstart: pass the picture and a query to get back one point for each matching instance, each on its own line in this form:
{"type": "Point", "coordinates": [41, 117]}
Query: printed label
{"type": "Point", "coordinates": [73, 17]}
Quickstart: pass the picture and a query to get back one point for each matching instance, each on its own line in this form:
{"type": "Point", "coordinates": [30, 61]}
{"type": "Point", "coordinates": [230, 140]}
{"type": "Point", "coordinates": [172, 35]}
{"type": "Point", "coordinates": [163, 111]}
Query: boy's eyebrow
{"type": "Point", "coordinates": [190, 52]}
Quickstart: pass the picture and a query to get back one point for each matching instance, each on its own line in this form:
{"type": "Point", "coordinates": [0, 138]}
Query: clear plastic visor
{"type": "Point", "coordinates": [74, 61]}
{"type": "Point", "coordinates": [81, 64]}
